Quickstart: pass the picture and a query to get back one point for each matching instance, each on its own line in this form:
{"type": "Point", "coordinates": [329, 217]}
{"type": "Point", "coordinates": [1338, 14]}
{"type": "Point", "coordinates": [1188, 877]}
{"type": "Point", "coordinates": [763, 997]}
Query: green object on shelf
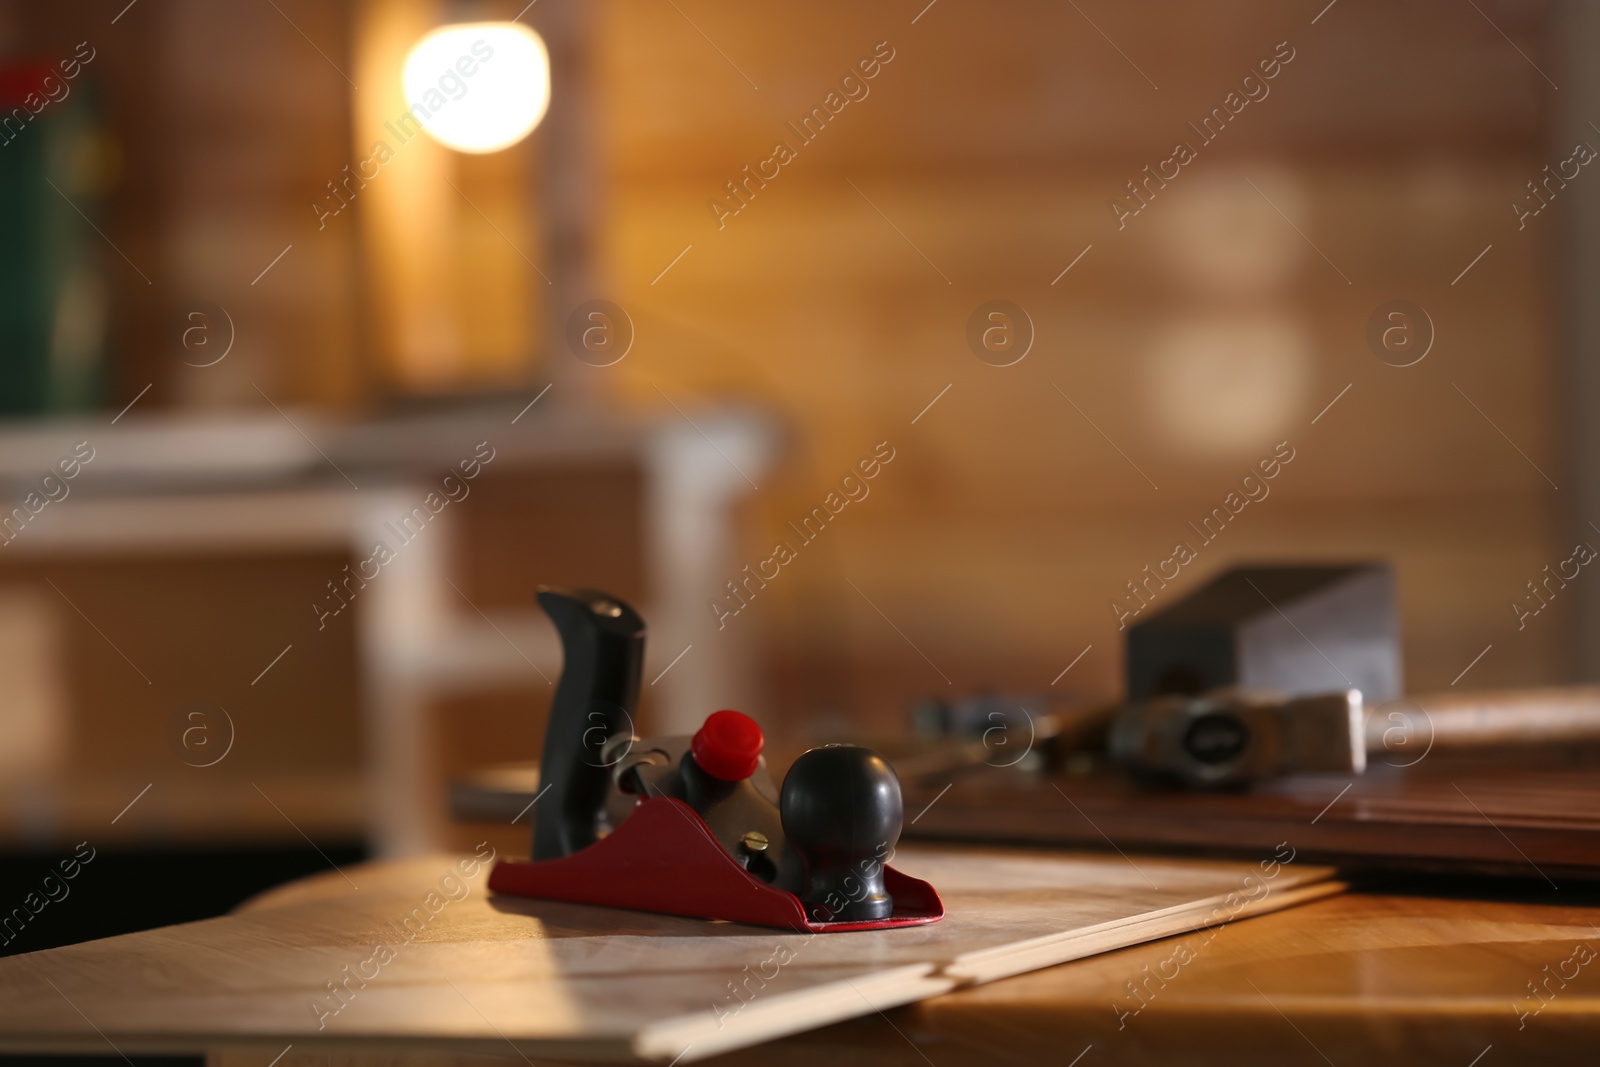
{"type": "Point", "coordinates": [53, 292]}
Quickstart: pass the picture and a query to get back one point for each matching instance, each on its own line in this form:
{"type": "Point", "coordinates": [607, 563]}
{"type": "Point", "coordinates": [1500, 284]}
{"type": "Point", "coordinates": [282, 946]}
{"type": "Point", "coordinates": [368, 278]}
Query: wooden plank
{"type": "Point", "coordinates": [1428, 979]}
{"type": "Point", "coordinates": [470, 973]}
{"type": "Point", "coordinates": [1537, 819]}
{"type": "Point", "coordinates": [1417, 977]}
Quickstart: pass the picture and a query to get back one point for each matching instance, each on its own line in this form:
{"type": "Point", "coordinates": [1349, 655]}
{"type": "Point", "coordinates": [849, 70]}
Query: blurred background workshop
{"type": "Point", "coordinates": [901, 363]}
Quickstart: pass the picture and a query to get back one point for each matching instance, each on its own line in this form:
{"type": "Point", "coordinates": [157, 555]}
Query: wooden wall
{"type": "Point", "coordinates": [1208, 329]}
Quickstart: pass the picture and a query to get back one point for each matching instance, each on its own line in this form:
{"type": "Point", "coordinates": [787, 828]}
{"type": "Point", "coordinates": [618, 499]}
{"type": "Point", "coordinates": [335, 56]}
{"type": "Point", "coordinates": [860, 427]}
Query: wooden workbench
{"type": "Point", "coordinates": [417, 958]}
{"type": "Point", "coordinates": [1407, 977]}
{"type": "Point", "coordinates": [1415, 973]}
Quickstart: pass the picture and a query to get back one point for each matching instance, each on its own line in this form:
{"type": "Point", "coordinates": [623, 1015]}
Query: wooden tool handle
{"type": "Point", "coordinates": [1487, 718]}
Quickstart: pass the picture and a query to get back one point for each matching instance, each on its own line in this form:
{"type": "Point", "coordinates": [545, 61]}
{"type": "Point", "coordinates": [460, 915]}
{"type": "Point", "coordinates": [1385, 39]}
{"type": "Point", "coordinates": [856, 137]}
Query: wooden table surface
{"type": "Point", "coordinates": [1412, 975]}
{"type": "Point", "coordinates": [416, 959]}
{"type": "Point", "coordinates": [1467, 974]}
{"type": "Point", "coordinates": [1415, 973]}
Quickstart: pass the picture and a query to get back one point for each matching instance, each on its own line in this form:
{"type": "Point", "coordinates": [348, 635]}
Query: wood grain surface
{"type": "Point", "coordinates": [1421, 977]}
{"type": "Point", "coordinates": [1535, 820]}
{"type": "Point", "coordinates": [423, 958]}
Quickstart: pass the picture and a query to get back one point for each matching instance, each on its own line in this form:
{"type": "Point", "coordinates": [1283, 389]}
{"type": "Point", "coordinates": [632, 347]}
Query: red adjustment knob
{"type": "Point", "coordinates": [728, 745]}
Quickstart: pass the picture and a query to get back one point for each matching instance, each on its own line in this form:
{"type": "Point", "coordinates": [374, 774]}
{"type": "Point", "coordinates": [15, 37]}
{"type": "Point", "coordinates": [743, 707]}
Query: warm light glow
{"type": "Point", "coordinates": [1220, 384]}
{"type": "Point", "coordinates": [478, 86]}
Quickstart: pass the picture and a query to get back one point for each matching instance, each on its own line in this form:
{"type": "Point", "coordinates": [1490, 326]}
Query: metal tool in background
{"type": "Point", "coordinates": [1248, 678]}
{"type": "Point", "coordinates": [1294, 630]}
{"type": "Point", "coordinates": [1270, 671]}
{"type": "Point", "coordinates": [1228, 737]}
{"type": "Point", "coordinates": [1222, 738]}
{"type": "Point", "coordinates": [1231, 738]}
{"type": "Point", "coordinates": [1261, 672]}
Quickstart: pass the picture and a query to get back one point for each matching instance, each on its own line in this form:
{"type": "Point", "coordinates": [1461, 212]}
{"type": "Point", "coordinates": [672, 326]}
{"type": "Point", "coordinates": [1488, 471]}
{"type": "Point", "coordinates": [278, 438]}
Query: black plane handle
{"type": "Point", "coordinates": [602, 641]}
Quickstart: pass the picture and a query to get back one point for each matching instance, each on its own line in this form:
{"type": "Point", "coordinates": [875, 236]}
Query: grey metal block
{"type": "Point", "coordinates": [1295, 630]}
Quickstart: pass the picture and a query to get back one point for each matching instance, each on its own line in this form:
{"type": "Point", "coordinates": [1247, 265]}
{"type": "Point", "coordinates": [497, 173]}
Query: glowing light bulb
{"type": "Point", "coordinates": [478, 86]}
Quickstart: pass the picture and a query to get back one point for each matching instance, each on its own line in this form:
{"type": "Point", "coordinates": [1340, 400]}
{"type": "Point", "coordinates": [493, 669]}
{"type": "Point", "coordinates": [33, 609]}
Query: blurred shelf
{"type": "Point", "coordinates": [292, 481]}
{"type": "Point", "coordinates": [255, 449]}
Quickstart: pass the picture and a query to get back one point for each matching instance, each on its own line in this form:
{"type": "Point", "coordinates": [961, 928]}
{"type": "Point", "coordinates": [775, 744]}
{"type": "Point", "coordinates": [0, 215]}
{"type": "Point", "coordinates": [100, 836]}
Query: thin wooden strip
{"type": "Point", "coordinates": [686, 1040]}
{"type": "Point", "coordinates": [1047, 952]}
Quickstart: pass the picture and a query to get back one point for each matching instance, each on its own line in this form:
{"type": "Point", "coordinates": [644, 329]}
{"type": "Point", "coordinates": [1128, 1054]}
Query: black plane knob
{"type": "Point", "coordinates": [842, 813]}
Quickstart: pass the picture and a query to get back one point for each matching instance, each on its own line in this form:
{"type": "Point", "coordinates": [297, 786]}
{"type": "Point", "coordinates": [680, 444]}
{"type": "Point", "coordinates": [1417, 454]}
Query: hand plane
{"type": "Point", "coordinates": [695, 825]}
